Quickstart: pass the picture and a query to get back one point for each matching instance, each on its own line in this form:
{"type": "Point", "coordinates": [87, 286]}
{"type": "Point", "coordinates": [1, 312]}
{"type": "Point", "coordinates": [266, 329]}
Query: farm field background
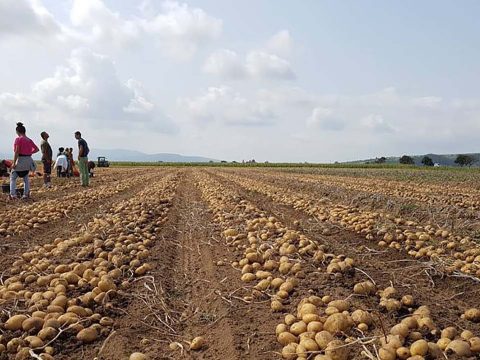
{"type": "Point", "coordinates": [259, 262]}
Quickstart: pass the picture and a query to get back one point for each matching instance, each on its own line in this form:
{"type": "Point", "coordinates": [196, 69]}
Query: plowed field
{"type": "Point", "coordinates": [223, 263]}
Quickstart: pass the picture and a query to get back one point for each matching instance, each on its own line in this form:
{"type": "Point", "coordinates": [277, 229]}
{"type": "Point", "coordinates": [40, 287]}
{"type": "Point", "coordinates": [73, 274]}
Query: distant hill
{"type": "Point", "coordinates": [137, 156]}
{"type": "Point", "coordinates": [132, 155]}
{"type": "Point", "coordinates": [442, 159]}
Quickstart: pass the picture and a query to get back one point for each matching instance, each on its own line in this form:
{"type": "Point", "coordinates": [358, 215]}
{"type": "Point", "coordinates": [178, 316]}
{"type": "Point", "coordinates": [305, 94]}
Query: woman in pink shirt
{"type": "Point", "coordinates": [23, 163]}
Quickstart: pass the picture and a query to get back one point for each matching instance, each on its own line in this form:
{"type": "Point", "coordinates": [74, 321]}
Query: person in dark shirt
{"type": "Point", "coordinates": [47, 155]}
{"type": "Point", "coordinates": [83, 151]}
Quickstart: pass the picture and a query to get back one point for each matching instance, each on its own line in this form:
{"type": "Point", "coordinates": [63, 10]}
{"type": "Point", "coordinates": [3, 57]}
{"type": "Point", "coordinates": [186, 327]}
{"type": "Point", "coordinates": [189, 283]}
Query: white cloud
{"type": "Point", "coordinates": [225, 106]}
{"type": "Point", "coordinates": [181, 29]}
{"type": "Point", "coordinates": [265, 65]}
{"type": "Point", "coordinates": [324, 118]}
{"type": "Point", "coordinates": [377, 123]}
{"type": "Point", "coordinates": [26, 17]}
{"type": "Point", "coordinates": [225, 63]}
{"type": "Point", "coordinates": [89, 88]}
{"type": "Point", "coordinates": [281, 43]}
{"type": "Point", "coordinates": [258, 65]}
{"type": "Point", "coordinates": [427, 101]}
{"type": "Point", "coordinates": [100, 24]}
{"type": "Point", "coordinates": [177, 29]}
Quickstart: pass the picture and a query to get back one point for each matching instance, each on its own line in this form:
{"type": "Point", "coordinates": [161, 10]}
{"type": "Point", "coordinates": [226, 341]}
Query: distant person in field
{"type": "Point", "coordinates": [91, 166]}
{"type": "Point", "coordinates": [23, 163]}
{"type": "Point", "coordinates": [69, 163]}
{"type": "Point", "coordinates": [61, 164]}
{"type": "Point", "coordinates": [72, 162]}
{"type": "Point", "coordinates": [83, 151]}
{"type": "Point", "coordinates": [47, 157]}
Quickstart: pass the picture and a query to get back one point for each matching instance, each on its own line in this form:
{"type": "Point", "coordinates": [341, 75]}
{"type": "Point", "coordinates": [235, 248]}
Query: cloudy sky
{"type": "Point", "coordinates": [277, 80]}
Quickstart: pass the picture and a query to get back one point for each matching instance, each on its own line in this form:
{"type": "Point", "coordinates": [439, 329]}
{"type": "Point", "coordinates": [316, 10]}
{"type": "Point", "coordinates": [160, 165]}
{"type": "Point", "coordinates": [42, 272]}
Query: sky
{"type": "Point", "coordinates": [273, 80]}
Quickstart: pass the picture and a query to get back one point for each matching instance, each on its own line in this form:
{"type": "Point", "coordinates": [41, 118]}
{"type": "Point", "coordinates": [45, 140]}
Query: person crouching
{"type": "Point", "coordinates": [61, 164]}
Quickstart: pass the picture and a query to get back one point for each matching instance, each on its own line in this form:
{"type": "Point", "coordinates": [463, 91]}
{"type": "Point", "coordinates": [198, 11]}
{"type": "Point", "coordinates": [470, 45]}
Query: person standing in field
{"type": "Point", "coordinates": [23, 163]}
{"type": "Point", "coordinates": [47, 155]}
{"type": "Point", "coordinates": [71, 161]}
{"type": "Point", "coordinates": [83, 151]}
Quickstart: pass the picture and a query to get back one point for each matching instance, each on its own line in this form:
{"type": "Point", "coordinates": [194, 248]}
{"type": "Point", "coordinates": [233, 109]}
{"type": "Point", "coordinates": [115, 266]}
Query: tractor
{"type": "Point", "coordinates": [102, 162]}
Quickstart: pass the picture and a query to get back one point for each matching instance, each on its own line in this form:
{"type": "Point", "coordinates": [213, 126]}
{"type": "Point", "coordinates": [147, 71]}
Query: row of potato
{"type": "Point", "coordinates": [65, 289]}
{"type": "Point", "coordinates": [274, 256]}
{"type": "Point", "coordinates": [461, 196]}
{"type": "Point", "coordinates": [15, 221]}
{"type": "Point", "coordinates": [420, 241]}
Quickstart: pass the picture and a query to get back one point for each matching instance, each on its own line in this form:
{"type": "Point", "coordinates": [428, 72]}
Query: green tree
{"type": "Point", "coordinates": [380, 160]}
{"type": "Point", "coordinates": [407, 160]}
{"type": "Point", "coordinates": [427, 161]}
{"type": "Point", "coordinates": [464, 160]}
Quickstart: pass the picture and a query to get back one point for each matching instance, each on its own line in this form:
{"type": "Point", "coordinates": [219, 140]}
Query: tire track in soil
{"type": "Point", "coordinates": [13, 247]}
{"type": "Point", "coordinates": [232, 328]}
{"type": "Point", "coordinates": [448, 297]}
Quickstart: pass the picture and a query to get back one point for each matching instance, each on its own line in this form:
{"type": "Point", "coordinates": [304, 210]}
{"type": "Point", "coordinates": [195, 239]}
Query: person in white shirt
{"type": "Point", "coordinates": [61, 164]}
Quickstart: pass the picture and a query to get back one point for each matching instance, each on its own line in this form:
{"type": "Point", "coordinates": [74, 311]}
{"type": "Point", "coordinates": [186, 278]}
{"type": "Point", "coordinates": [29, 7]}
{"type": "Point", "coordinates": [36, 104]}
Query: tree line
{"type": "Point", "coordinates": [461, 159]}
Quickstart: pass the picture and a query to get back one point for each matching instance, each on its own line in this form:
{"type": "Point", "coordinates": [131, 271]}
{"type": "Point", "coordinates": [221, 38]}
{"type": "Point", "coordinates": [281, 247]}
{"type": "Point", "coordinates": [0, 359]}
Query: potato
{"type": "Point", "coordinates": [474, 344]}
{"type": "Point", "coordinates": [387, 353]}
{"type": "Point", "coordinates": [362, 316]}
{"type": "Point", "coordinates": [286, 338]}
{"type": "Point", "coordinates": [400, 329]}
{"type": "Point", "coordinates": [15, 322]}
{"type": "Point", "coordinates": [307, 309]}
{"type": "Point", "coordinates": [138, 356]}
{"type": "Point", "coordinates": [472, 315]}
{"type": "Point", "coordinates": [34, 341]}
{"type": "Point", "coordinates": [47, 333]}
{"type": "Point", "coordinates": [298, 327]}
{"type": "Point", "coordinates": [88, 335]}
{"type": "Point", "coordinates": [289, 351]}
{"type": "Point", "coordinates": [364, 288]}
{"type": "Point", "coordinates": [458, 347]}
{"type": "Point", "coordinates": [276, 305]}
{"type": "Point", "coordinates": [308, 318]}
{"type": "Point", "coordinates": [315, 326]}
{"type": "Point", "coordinates": [280, 328]}
{"type": "Point", "coordinates": [419, 347]}
{"type": "Point", "coordinates": [337, 323]}
{"type": "Point", "coordinates": [309, 344]}
{"type": "Point", "coordinates": [337, 350]}
{"type": "Point", "coordinates": [341, 305]}
{"type": "Point", "coordinates": [323, 338]}
{"type": "Point", "coordinates": [33, 324]}
{"type": "Point", "coordinates": [403, 352]}
{"type": "Point", "coordinates": [443, 342]}
{"type": "Point", "coordinates": [449, 332]}
{"type": "Point", "coordinates": [197, 343]}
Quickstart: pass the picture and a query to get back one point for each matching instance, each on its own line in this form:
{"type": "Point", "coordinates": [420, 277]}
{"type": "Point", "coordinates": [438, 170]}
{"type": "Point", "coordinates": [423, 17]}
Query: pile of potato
{"type": "Point", "coordinates": [20, 219]}
{"type": "Point", "coordinates": [429, 242]}
{"type": "Point", "coordinates": [64, 288]}
{"type": "Point", "coordinates": [272, 254]}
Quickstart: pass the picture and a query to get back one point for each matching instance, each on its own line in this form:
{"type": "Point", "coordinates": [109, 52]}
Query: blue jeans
{"type": "Point", "coordinates": [13, 184]}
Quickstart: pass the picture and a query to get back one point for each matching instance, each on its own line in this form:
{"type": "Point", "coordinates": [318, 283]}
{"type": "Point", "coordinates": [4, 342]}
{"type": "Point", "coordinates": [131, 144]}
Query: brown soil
{"type": "Point", "coordinates": [188, 294]}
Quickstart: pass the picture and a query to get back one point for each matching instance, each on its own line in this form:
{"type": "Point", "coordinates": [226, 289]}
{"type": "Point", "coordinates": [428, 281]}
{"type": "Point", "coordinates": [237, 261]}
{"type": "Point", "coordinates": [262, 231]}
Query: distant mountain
{"type": "Point", "coordinates": [137, 156]}
{"type": "Point", "coordinates": [131, 155]}
{"type": "Point", "coordinates": [442, 159]}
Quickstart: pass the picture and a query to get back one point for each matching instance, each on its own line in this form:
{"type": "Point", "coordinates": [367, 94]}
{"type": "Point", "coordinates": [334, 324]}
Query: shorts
{"type": "Point", "coordinates": [47, 167]}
